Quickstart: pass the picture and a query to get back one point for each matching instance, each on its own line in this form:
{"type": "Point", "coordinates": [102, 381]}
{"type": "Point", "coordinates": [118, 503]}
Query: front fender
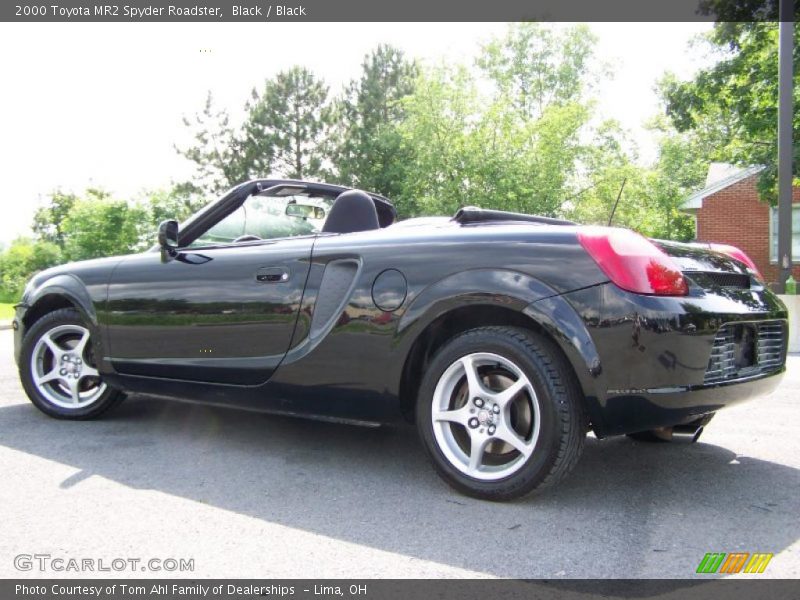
{"type": "Point", "coordinates": [71, 288]}
{"type": "Point", "coordinates": [55, 292]}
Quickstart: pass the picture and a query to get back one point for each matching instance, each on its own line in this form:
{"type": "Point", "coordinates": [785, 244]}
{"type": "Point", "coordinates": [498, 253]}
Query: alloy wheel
{"type": "Point", "coordinates": [63, 368]}
{"type": "Point", "coordinates": [485, 416]}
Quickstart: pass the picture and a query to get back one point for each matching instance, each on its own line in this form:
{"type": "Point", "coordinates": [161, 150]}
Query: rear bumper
{"type": "Point", "coordinates": [641, 410]}
{"type": "Point", "coordinates": [654, 355]}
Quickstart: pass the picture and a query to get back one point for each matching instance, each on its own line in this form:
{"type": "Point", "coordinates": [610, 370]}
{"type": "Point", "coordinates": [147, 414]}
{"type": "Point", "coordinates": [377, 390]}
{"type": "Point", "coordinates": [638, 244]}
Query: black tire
{"type": "Point", "coordinates": [97, 405]}
{"type": "Point", "coordinates": [562, 422]}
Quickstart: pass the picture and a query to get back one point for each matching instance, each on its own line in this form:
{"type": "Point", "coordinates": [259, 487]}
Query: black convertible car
{"type": "Point", "coordinates": [506, 337]}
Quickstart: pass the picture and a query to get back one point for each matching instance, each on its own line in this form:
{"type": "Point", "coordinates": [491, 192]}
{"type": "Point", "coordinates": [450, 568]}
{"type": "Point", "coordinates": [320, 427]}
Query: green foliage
{"type": "Point", "coordinates": [474, 150]}
{"type": "Point", "coordinates": [650, 200]}
{"type": "Point", "coordinates": [680, 170]}
{"type": "Point", "coordinates": [99, 225]}
{"type": "Point", "coordinates": [606, 165]}
{"type": "Point", "coordinates": [517, 133]}
{"type": "Point", "coordinates": [48, 220]}
{"type": "Point", "coordinates": [367, 148]}
{"type": "Point", "coordinates": [731, 107]}
{"type": "Point", "coordinates": [438, 127]}
{"type": "Point", "coordinates": [20, 260]}
{"type": "Point", "coordinates": [537, 67]}
{"type": "Point", "coordinates": [516, 146]}
{"type": "Point", "coordinates": [284, 134]}
{"type": "Point", "coordinates": [220, 156]}
{"type": "Point", "coordinates": [287, 124]}
{"type": "Point", "coordinates": [176, 203]}
{"type": "Point", "coordinates": [6, 311]}
{"type": "Point", "coordinates": [76, 227]}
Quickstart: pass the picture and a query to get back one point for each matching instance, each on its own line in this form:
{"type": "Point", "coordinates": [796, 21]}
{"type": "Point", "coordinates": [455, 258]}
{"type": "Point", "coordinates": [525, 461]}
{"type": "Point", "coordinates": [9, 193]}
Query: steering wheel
{"type": "Point", "coordinates": [247, 237]}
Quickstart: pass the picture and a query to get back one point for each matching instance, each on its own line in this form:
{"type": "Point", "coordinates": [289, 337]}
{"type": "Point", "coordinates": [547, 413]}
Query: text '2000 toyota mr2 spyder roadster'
{"type": "Point", "coordinates": [505, 337]}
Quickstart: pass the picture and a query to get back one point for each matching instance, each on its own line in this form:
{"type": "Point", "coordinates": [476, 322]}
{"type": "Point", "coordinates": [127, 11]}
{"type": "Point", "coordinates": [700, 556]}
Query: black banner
{"type": "Point", "coordinates": [394, 589]}
{"type": "Point", "coordinates": [407, 10]}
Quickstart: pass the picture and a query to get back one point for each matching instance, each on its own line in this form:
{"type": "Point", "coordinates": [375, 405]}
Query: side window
{"type": "Point", "coordinates": [224, 232]}
{"type": "Point", "coordinates": [269, 218]}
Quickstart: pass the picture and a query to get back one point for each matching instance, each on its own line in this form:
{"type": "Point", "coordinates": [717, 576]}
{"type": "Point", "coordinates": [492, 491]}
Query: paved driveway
{"type": "Point", "coordinates": [248, 495]}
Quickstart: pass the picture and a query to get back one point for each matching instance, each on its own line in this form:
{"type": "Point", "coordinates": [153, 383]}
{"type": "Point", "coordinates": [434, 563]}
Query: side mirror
{"type": "Point", "coordinates": [168, 235]}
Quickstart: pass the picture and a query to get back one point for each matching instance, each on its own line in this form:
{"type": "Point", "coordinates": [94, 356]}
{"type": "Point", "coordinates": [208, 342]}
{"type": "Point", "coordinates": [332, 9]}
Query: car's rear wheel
{"type": "Point", "coordinates": [500, 414]}
{"type": "Point", "coordinates": [58, 368]}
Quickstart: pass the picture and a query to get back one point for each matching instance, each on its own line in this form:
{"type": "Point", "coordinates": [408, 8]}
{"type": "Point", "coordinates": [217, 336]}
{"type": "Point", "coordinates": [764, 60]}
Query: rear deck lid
{"type": "Point", "coordinates": [709, 269]}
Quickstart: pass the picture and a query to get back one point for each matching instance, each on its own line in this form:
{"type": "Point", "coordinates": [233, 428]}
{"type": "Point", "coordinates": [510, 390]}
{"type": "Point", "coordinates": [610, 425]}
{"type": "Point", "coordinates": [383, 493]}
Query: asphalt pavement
{"type": "Point", "coordinates": [249, 495]}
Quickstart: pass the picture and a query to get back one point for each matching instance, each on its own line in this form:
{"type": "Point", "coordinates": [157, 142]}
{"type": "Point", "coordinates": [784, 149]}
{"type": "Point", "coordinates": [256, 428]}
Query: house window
{"type": "Point", "coordinates": [773, 234]}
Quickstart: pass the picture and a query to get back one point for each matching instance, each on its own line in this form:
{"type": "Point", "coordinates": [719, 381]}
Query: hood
{"type": "Point", "coordinates": [101, 267]}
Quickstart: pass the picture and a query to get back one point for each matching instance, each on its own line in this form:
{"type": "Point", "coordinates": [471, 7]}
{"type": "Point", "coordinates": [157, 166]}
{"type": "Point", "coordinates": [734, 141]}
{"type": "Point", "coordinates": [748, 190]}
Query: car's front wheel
{"type": "Point", "coordinates": [500, 414]}
{"type": "Point", "coordinates": [58, 368]}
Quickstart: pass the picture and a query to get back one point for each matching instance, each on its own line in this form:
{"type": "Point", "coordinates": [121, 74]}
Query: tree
{"type": "Point", "coordinates": [679, 171]}
{"type": "Point", "coordinates": [469, 149]}
{"type": "Point", "coordinates": [651, 197]}
{"type": "Point", "coordinates": [48, 221]}
{"type": "Point", "coordinates": [73, 227]}
{"type": "Point", "coordinates": [441, 127]}
{"type": "Point", "coordinates": [368, 150]}
{"type": "Point", "coordinates": [176, 203]}
{"type": "Point", "coordinates": [221, 157]}
{"type": "Point", "coordinates": [536, 66]}
{"type": "Point", "coordinates": [20, 261]}
{"type": "Point", "coordinates": [732, 106]}
{"type": "Point", "coordinates": [287, 124]}
{"type": "Point", "coordinates": [607, 165]}
{"type": "Point", "coordinates": [517, 145]}
{"type": "Point", "coordinates": [99, 225]}
{"type": "Point", "coordinates": [284, 133]}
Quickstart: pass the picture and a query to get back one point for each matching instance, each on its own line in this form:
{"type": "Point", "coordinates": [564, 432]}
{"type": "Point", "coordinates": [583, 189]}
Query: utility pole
{"type": "Point", "coordinates": [785, 82]}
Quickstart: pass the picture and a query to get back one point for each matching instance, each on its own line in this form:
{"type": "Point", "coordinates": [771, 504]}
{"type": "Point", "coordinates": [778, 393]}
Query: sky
{"type": "Point", "coordinates": [102, 104]}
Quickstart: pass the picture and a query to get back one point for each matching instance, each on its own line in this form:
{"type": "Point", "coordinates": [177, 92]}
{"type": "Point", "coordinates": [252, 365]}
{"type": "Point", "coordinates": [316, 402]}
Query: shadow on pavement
{"type": "Point", "coordinates": [644, 505]}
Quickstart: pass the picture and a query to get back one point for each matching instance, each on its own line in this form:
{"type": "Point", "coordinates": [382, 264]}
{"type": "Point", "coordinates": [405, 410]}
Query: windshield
{"type": "Point", "coordinates": [269, 217]}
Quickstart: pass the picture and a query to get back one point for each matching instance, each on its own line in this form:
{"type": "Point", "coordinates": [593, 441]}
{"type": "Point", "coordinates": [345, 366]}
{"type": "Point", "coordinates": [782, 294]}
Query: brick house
{"type": "Point", "coordinates": [727, 210]}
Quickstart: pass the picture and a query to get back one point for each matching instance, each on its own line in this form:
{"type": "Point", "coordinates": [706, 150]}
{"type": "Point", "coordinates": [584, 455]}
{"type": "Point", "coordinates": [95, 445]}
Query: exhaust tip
{"type": "Point", "coordinates": [687, 433]}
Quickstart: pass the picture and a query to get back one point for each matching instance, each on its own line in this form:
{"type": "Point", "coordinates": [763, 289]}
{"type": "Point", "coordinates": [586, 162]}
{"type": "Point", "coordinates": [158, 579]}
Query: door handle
{"type": "Point", "coordinates": [272, 275]}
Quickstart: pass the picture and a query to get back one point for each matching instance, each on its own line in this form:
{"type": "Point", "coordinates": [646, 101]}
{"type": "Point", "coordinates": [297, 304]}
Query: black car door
{"type": "Point", "coordinates": [221, 310]}
{"type": "Point", "coordinates": [216, 314]}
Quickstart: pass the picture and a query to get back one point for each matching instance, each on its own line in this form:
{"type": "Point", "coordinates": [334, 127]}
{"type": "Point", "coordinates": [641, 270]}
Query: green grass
{"type": "Point", "coordinates": [6, 311]}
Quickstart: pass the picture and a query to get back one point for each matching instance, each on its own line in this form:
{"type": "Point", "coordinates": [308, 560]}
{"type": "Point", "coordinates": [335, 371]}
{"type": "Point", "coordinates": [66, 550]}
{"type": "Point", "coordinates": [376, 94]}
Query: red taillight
{"type": "Point", "coordinates": [736, 253]}
{"type": "Point", "coordinates": [633, 262]}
